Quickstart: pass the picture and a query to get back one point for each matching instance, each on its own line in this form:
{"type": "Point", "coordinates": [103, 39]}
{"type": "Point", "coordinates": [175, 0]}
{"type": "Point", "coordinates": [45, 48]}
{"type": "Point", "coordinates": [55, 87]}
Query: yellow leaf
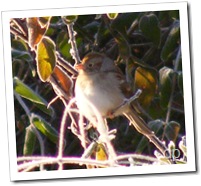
{"type": "Point", "coordinates": [101, 153]}
{"type": "Point", "coordinates": [46, 58]}
{"type": "Point", "coordinates": [146, 80]}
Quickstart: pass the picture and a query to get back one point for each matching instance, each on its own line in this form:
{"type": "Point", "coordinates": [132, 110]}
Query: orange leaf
{"type": "Point", "coordinates": [35, 31]}
{"type": "Point", "coordinates": [62, 83]}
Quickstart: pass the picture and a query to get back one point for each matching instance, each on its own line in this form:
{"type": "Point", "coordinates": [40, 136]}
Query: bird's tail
{"type": "Point", "coordinates": [142, 128]}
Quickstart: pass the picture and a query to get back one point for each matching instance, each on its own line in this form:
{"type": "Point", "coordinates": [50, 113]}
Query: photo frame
{"type": "Point", "coordinates": [21, 167]}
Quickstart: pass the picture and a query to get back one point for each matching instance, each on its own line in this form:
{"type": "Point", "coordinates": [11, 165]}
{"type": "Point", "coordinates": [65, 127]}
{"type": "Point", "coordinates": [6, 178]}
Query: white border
{"type": "Point", "coordinates": [190, 166]}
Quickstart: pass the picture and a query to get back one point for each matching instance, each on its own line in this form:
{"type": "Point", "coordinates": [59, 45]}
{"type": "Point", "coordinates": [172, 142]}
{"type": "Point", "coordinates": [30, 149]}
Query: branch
{"type": "Point", "coordinates": [74, 51]}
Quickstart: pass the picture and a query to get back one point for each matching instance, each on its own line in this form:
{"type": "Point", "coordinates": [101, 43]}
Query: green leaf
{"type": "Point", "coordinates": [172, 130]}
{"type": "Point", "coordinates": [20, 50]}
{"type": "Point", "coordinates": [69, 19]}
{"type": "Point", "coordinates": [124, 47]}
{"type": "Point", "coordinates": [26, 92]}
{"type": "Point", "coordinates": [23, 55]}
{"type": "Point", "coordinates": [29, 142]}
{"type": "Point", "coordinates": [149, 25]}
{"type": "Point", "coordinates": [174, 14]}
{"type": "Point", "coordinates": [124, 22]}
{"type": "Point", "coordinates": [171, 42]}
{"type": "Point", "coordinates": [45, 128]}
{"type": "Point", "coordinates": [156, 126]}
{"type": "Point", "coordinates": [165, 79]}
{"type": "Point", "coordinates": [180, 81]}
{"type": "Point", "coordinates": [63, 45]}
{"type": "Point", "coordinates": [46, 58]}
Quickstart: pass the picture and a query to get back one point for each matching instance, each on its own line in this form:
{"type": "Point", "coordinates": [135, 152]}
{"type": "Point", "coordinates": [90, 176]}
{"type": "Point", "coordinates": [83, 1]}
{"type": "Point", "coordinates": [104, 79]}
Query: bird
{"type": "Point", "coordinates": [100, 84]}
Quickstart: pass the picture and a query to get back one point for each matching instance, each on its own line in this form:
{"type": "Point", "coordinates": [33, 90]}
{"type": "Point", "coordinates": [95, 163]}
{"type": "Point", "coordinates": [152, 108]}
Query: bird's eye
{"type": "Point", "coordinates": [90, 65]}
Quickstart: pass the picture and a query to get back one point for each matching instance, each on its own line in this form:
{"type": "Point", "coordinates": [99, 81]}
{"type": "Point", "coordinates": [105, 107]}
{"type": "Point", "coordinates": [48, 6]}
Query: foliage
{"type": "Point", "coordinates": [147, 48]}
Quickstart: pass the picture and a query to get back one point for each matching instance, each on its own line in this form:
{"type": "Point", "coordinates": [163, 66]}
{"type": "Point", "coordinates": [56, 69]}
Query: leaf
{"type": "Point", "coordinates": [124, 22]}
{"type": "Point", "coordinates": [23, 55]}
{"type": "Point", "coordinates": [101, 153]}
{"type": "Point", "coordinates": [35, 31]}
{"type": "Point", "coordinates": [20, 50]}
{"type": "Point", "coordinates": [180, 81]}
{"type": "Point", "coordinates": [124, 47]}
{"type": "Point", "coordinates": [174, 14]}
{"type": "Point", "coordinates": [45, 128]}
{"type": "Point", "coordinates": [165, 79]}
{"type": "Point", "coordinates": [69, 19]}
{"type": "Point", "coordinates": [146, 80]}
{"type": "Point", "coordinates": [112, 15]}
{"type": "Point", "coordinates": [149, 25]}
{"type": "Point", "coordinates": [26, 92]}
{"type": "Point", "coordinates": [172, 130]}
{"type": "Point", "coordinates": [63, 84]}
{"type": "Point", "coordinates": [44, 21]}
{"type": "Point", "coordinates": [63, 45]}
{"type": "Point", "coordinates": [46, 58]}
{"type": "Point", "coordinates": [29, 142]}
{"type": "Point", "coordinates": [171, 42]}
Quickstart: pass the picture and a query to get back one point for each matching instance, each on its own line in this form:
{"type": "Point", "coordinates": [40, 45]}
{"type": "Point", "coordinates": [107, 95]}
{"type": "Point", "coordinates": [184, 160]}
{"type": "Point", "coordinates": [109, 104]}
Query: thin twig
{"type": "Point", "coordinates": [42, 146]}
{"type": "Point", "coordinates": [174, 80]}
{"type": "Point", "coordinates": [26, 109]}
{"type": "Point", "coordinates": [62, 62]}
{"type": "Point", "coordinates": [20, 25]}
{"type": "Point", "coordinates": [64, 160]}
{"type": "Point", "coordinates": [17, 33]}
{"type": "Point", "coordinates": [62, 130]}
{"type": "Point", "coordinates": [74, 52]}
{"type": "Point", "coordinates": [61, 136]}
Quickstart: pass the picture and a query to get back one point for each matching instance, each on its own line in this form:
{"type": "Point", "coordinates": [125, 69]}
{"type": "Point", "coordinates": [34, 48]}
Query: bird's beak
{"type": "Point", "coordinates": [79, 66]}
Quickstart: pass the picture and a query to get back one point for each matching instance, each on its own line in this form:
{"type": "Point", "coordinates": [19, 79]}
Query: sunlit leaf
{"type": "Point", "coordinates": [149, 26]}
{"type": "Point", "coordinates": [46, 58]}
{"type": "Point", "coordinates": [63, 84]}
{"type": "Point", "coordinates": [45, 128]}
{"type": "Point", "coordinates": [26, 92]}
{"type": "Point", "coordinates": [101, 153]}
{"type": "Point", "coordinates": [29, 142]}
{"type": "Point", "coordinates": [112, 15]}
{"type": "Point", "coordinates": [146, 80]}
{"type": "Point", "coordinates": [35, 31]}
{"type": "Point", "coordinates": [172, 42]}
{"type": "Point", "coordinates": [165, 79]}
